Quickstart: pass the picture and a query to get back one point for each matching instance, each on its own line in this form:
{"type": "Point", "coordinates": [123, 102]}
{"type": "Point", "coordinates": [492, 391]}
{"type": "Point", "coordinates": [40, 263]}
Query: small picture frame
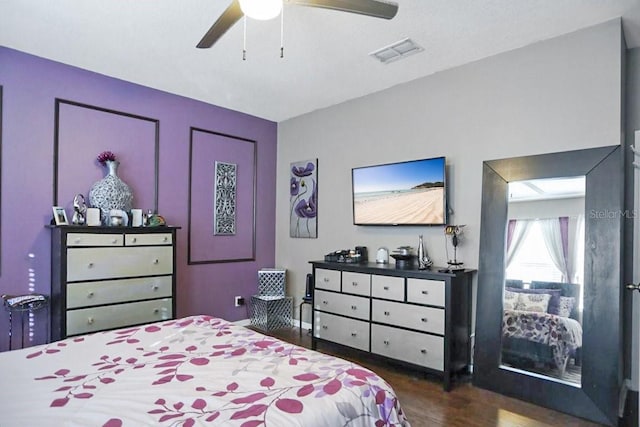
{"type": "Point", "coordinates": [60, 215]}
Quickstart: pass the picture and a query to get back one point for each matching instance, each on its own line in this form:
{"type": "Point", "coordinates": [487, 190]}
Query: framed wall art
{"type": "Point", "coordinates": [303, 201]}
{"type": "Point", "coordinates": [224, 199]}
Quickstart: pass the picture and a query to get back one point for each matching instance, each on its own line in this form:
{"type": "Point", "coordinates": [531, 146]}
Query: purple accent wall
{"type": "Point", "coordinates": [30, 88]}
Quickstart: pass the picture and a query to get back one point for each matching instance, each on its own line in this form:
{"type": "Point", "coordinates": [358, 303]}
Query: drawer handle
{"type": "Point", "coordinates": [325, 302]}
{"type": "Point", "coordinates": [77, 241]}
{"type": "Point", "coordinates": [325, 327]}
{"type": "Point", "coordinates": [423, 351]}
{"type": "Point", "coordinates": [354, 283]}
{"type": "Point", "coordinates": [90, 295]}
{"type": "Point", "coordinates": [386, 313]}
{"type": "Point", "coordinates": [425, 292]}
{"type": "Point", "coordinates": [424, 319]}
{"type": "Point", "coordinates": [353, 307]}
{"type": "Point", "coordinates": [114, 241]}
{"type": "Point", "coordinates": [166, 239]}
{"type": "Point", "coordinates": [156, 261]}
{"type": "Point", "coordinates": [90, 321]}
{"type": "Point", "coordinates": [155, 287]}
{"type": "Point", "coordinates": [325, 280]}
{"type": "Point", "coordinates": [90, 265]}
{"type": "Point", "coordinates": [156, 310]}
{"type": "Point", "coordinates": [135, 239]}
{"type": "Point", "coordinates": [386, 288]}
{"type": "Point", "coordinates": [386, 342]}
{"type": "Point", "coordinates": [353, 334]}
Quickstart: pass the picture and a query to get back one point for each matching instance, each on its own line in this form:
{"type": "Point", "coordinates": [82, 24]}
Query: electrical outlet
{"type": "Point", "coordinates": [239, 301]}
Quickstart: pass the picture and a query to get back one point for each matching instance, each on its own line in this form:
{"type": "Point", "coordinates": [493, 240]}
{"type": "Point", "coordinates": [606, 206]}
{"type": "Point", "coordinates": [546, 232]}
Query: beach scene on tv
{"type": "Point", "coordinates": [400, 193]}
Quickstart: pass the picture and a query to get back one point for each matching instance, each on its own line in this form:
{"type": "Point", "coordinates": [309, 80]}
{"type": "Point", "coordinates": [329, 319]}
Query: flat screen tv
{"type": "Point", "coordinates": [405, 193]}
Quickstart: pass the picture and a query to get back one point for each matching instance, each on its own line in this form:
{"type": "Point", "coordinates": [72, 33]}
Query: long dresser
{"type": "Point", "coordinates": [421, 318]}
{"type": "Point", "coordinates": [109, 277]}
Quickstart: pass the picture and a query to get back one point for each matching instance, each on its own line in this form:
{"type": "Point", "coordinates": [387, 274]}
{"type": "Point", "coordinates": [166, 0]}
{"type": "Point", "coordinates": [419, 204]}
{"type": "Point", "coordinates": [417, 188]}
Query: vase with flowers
{"type": "Point", "coordinates": [110, 192]}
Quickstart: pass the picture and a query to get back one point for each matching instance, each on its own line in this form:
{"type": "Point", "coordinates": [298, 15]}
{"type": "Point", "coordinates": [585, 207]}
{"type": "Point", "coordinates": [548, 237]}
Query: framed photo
{"type": "Point", "coordinates": [60, 215]}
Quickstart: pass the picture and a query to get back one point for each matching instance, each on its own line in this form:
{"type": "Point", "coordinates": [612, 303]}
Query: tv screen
{"type": "Point", "coordinates": [406, 193]}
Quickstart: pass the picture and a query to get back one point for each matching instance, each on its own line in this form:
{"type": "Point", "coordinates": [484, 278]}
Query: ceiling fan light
{"type": "Point", "coordinates": [261, 9]}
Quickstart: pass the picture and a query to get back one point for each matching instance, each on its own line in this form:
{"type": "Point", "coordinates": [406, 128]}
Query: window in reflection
{"type": "Point", "coordinates": [542, 307]}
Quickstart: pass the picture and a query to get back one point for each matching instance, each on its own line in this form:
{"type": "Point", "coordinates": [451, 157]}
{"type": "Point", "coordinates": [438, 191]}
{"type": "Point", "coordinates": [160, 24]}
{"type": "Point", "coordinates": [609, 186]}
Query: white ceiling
{"type": "Point", "coordinates": [152, 42]}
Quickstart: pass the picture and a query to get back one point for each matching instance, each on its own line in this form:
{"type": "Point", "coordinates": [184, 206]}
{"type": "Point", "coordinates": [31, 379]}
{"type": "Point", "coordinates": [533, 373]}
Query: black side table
{"type": "Point", "coordinates": [22, 304]}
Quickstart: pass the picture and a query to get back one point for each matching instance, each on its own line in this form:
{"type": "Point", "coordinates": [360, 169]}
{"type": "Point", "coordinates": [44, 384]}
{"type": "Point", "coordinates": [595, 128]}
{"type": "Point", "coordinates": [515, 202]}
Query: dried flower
{"type": "Point", "coordinates": [106, 156]}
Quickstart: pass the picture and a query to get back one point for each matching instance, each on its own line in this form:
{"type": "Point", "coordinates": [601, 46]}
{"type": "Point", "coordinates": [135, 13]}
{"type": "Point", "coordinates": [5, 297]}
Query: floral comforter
{"type": "Point", "coordinates": [193, 371]}
{"type": "Point", "coordinates": [562, 334]}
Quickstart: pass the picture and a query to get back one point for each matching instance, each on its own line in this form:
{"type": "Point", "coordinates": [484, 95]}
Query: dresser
{"type": "Point", "coordinates": [419, 318]}
{"type": "Point", "coordinates": [110, 277]}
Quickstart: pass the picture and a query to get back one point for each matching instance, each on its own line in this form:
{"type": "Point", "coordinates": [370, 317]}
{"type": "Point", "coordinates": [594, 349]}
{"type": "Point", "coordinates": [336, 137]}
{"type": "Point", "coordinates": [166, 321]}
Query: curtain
{"type": "Point", "coordinates": [555, 242]}
{"type": "Point", "coordinates": [516, 232]}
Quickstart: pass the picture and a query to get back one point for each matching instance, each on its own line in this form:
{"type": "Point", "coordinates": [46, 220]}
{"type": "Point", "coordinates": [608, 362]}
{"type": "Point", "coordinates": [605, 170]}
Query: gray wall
{"type": "Point", "coordinates": [555, 95]}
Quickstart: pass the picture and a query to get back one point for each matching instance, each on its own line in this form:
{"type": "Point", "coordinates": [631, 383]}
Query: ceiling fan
{"type": "Point", "coordinates": [239, 8]}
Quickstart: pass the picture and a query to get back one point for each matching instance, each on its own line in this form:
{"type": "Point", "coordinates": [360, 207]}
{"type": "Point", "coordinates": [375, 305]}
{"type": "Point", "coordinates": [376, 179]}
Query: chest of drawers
{"type": "Point", "coordinates": [415, 317]}
{"type": "Point", "coordinates": [107, 277]}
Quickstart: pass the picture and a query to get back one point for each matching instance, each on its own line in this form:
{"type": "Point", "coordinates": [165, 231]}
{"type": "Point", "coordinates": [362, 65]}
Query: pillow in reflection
{"type": "Point", "coordinates": [554, 302]}
{"type": "Point", "coordinates": [510, 300]}
{"type": "Point", "coordinates": [565, 306]}
{"type": "Point", "coordinates": [537, 303]}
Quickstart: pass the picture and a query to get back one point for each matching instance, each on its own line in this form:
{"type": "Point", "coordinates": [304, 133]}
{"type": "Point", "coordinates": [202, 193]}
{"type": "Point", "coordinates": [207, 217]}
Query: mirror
{"type": "Point", "coordinates": [503, 368]}
{"type": "Point", "coordinates": [544, 269]}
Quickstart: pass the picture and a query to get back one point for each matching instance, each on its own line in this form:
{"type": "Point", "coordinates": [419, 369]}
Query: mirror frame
{"type": "Point", "coordinates": [597, 398]}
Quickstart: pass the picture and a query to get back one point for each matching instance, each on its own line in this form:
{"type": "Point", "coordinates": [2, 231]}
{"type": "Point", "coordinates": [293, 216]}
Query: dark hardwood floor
{"type": "Point", "coordinates": [426, 404]}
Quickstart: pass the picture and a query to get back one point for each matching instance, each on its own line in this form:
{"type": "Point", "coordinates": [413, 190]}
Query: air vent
{"type": "Point", "coordinates": [397, 50]}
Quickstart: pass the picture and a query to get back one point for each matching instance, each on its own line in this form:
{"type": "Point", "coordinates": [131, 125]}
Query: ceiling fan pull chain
{"type": "Point", "coordinates": [282, 32]}
{"type": "Point", "coordinates": [244, 39]}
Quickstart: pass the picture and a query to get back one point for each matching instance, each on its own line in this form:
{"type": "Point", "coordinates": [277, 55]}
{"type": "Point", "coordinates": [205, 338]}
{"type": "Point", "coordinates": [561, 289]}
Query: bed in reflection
{"type": "Point", "coordinates": [197, 370]}
{"type": "Point", "coordinates": [541, 328]}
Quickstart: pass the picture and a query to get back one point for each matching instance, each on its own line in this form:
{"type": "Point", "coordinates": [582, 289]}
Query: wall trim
{"type": "Point", "coordinates": [254, 180]}
{"type": "Point", "coordinates": [56, 142]}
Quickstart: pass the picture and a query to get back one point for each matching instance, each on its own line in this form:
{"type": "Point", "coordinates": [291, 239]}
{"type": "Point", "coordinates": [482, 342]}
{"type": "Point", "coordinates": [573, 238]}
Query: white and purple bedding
{"type": "Point", "coordinates": [562, 334]}
{"type": "Point", "coordinates": [198, 370]}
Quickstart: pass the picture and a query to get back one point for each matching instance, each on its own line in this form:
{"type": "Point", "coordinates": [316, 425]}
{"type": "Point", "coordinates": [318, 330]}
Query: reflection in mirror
{"type": "Point", "coordinates": [542, 303]}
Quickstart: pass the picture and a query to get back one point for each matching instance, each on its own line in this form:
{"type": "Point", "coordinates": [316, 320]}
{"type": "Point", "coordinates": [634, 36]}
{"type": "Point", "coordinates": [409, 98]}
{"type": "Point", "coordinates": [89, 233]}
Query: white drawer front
{"type": "Point", "coordinates": [94, 239]}
{"type": "Point", "coordinates": [350, 332]}
{"type": "Point", "coordinates": [425, 319]}
{"type": "Point", "coordinates": [347, 305]}
{"type": "Point", "coordinates": [413, 347]}
{"type": "Point", "coordinates": [387, 287]}
{"type": "Point", "coordinates": [148, 239]}
{"type": "Point", "coordinates": [356, 283]}
{"type": "Point", "coordinates": [105, 263]}
{"type": "Point", "coordinates": [114, 316]}
{"type": "Point", "coordinates": [327, 279]}
{"type": "Point", "coordinates": [87, 294]}
{"type": "Point", "coordinates": [424, 291]}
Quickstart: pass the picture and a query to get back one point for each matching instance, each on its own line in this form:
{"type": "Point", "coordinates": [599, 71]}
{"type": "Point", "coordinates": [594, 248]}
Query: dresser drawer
{"type": "Point", "coordinates": [87, 294]}
{"type": "Point", "coordinates": [350, 332]}
{"type": "Point", "coordinates": [425, 319]}
{"type": "Point", "coordinates": [114, 316]}
{"type": "Point", "coordinates": [424, 291]}
{"type": "Point", "coordinates": [327, 279]}
{"type": "Point", "coordinates": [413, 347]}
{"type": "Point", "coordinates": [134, 239]}
{"type": "Point", "coordinates": [356, 283]}
{"type": "Point", "coordinates": [387, 287]}
{"type": "Point", "coordinates": [105, 263]}
{"type": "Point", "coordinates": [94, 239]}
{"type": "Point", "coordinates": [347, 305]}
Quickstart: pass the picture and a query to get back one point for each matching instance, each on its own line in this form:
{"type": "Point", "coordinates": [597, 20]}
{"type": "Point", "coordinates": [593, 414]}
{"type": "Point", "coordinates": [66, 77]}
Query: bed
{"type": "Point", "coordinates": [198, 370]}
{"type": "Point", "coordinates": [549, 334]}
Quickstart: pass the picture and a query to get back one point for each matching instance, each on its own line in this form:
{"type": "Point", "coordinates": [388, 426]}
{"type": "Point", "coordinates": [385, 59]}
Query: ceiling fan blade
{"type": "Point", "coordinates": [229, 17]}
{"type": "Point", "coordinates": [374, 8]}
